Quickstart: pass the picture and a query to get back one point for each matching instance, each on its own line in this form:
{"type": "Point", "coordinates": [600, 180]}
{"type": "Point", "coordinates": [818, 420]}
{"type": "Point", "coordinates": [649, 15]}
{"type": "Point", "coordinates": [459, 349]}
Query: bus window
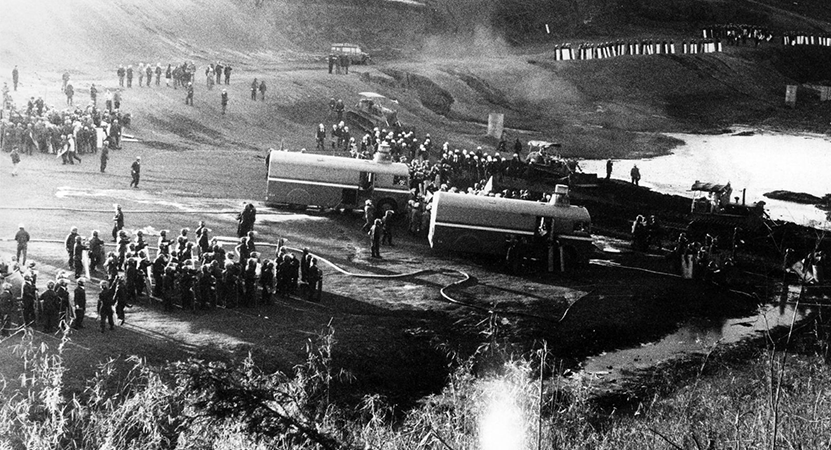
{"type": "Point", "coordinates": [543, 229]}
{"type": "Point", "coordinates": [366, 181]}
{"type": "Point", "coordinates": [398, 180]}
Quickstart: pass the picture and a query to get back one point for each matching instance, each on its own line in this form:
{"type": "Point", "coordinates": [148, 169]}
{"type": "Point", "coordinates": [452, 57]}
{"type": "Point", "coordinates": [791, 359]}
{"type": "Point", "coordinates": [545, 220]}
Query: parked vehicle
{"type": "Point", "coordinates": [371, 112]}
{"type": "Point", "coordinates": [300, 180]}
{"type": "Point", "coordinates": [556, 232]}
{"type": "Point", "coordinates": [353, 51]}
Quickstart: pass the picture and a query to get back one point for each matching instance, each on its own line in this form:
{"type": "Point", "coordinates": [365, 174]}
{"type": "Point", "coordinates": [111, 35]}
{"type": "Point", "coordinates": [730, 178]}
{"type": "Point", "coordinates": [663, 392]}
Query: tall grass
{"type": "Point", "coordinates": [493, 400]}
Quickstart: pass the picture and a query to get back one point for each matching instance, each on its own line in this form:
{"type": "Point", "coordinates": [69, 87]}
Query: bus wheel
{"type": "Point", "coordinates": [385, 205]}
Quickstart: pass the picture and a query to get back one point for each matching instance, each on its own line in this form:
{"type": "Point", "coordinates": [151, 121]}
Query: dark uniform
{"type": "Point", "coordinates": [118, 222]}
{"type": "Point", "coordinates": [105, 306]}
{"type": "Point", "coordinates": [80, 298]}
{"type": "Point", "coordinates": [375, 234]}
{"type": "Point", "coordinates": [77, 257]}
{"type": "Point", "coordinates": [135, 171]}
{"type": "Point", "coordinates": [51, 306]}
{"type": "Point", "coordinates": [69, 243]}
{"type": "Point", "coordinates": [29, 301]}
{"type": "Point", "coordinates": [65, 307]}
{"type": "Point", "coordinates": [315, 285]}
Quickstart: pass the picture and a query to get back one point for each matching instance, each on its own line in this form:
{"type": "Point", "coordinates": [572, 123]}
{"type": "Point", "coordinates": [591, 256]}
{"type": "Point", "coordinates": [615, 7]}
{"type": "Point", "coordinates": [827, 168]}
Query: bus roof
{"type": "Point", "coordinates": [371, 95]}
{"type": "Point", "coordinates": [454, 207]}
{"type": "Point", "coordinates": [338, 162]}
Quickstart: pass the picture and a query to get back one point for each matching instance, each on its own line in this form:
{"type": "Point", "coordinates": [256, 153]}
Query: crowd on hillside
{"type": "Point", "coordinates": [190, 271]}
{"type": "Point", "coordinates": [737, 34]}
{"type": "Point", "coordinates": [603, 50]}
{"type": "Point", "coordinates": [68, 132]}
{"type": "Point", "coordinates": [178, 75]}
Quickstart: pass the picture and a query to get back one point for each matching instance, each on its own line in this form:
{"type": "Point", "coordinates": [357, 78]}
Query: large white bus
{"type": "Point", "coordinates": [304, 179]}
{"type": "Point", "coordinates": [491, 225]}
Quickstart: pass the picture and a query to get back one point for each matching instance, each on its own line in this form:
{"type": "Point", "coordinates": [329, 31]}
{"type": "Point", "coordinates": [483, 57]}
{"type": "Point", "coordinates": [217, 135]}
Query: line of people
{"type": "Point", "coordinates": [591, 50]}
{"type": "Point", "coordinates": [178, 75]}
{"type": "Point", "coordinates": [736, 34]}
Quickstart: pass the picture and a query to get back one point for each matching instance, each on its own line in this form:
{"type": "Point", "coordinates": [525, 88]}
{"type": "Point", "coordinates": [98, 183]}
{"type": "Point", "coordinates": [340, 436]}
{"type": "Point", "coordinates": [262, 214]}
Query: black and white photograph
{"type": "Point", "coordinates": [415, 224]}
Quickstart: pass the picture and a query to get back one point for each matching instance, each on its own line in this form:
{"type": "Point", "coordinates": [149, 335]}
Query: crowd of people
{"type": "Point", "coordinates": [738, 34]}
{"type": "Point", "coordinates": [603, 50]}
{"type": "Point", "coordinates": [178, 75]}
{"type": "Point", "coordinates": [190, 271]}
{"type": "Point", "coordinates": [68, 133]}
{"type": "Point", "coordinates": [803, 38]}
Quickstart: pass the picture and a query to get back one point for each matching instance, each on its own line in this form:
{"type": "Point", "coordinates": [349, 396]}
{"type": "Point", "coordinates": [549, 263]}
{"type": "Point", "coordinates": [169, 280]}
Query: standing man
{"type": "Point", "coordinates": [320, 137]}
{"type": "Point", "coordinates": [130, 76]}
{"type": "Point", "coordinates": [105, 306]}
{"type": "Point", "coordinates": [315, 281]}
{"type": "Point", "coordinates": [15, 160]}
{"type": "Point", "coordinates": [115, 134]}
{"type": "Point", "coordinates": [69, 243]}
{"type": "Point", "coordinates": [635, 173]}
{"type": "Point", "coordinates": [149, 71]}
{"type": "Point", "coordinates": [339, 107]}
{"type": "Point", "coordinates": [262, 90]}
{"type": "Point", "coordinates": [369, 216]}
{"type": "Point", "coordinates": [189, 98]}
{"type": "Point", "coordinates": [135, 171]}
{"type": "Point", "coordinates": [30, 296]}
{"type": "Point", "coordinates": [15, 77]}
{"type": "Point", "coordinates": [70, 92]}
{"type": "Point", "coordinates": [158, 73]}
{"type": "Point", "coordinates": [80, 300]}
{"type": "Point", "coordinates": [218, 69]}
{"type": "Point", "coordinates": [96, 250]}
{"type": "Point", "coordinates": [118, 222]}
{"type": "Point", "coordinates": [346, 63]}
{"type": "Point", "coordinates": [22, 237]}
{"type": "Point", "coordinates": [93, 95]}
{"type": "Point", "coordinates": [120, 72]}
{"type": "Point", "coordinates": [224, 100]}
{"type": "Point", "coordinates": [78, 256]}
{"type": "Point", "coordinates": [331, 62]}
{"type": "Point", "coordinates": [51, 304]}
{"type": "Point", "coordinates": [65, 79]}
{"type": "Point", "coordinates": [375, 234]}
{"type": "Point", "coordinates": [227, 74]}
{"type": "Point", "coordinates": [202, 240]}
{"type": "Point", "coordinates": [254, 86]}
{"type": "Point", "coordinates": [105, 155]}
{"type": "Point", "coordinates": [609, 165]}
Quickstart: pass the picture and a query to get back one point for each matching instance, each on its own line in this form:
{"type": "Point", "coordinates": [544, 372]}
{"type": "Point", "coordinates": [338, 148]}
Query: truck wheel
{"type": "Point", "coordinates": [387, 204]}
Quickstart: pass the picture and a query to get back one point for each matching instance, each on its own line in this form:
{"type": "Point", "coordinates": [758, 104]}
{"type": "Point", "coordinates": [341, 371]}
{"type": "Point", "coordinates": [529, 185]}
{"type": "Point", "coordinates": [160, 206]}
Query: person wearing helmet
{"type": "Point", "coordinates": [78, 256]}
{"type": "Point", "coordinates": [69, 243]}
{"type": "Point", "coordinates": [29, 299]}
{"type": "Point", "coordinates": [50, 303]}
{"type": "Point", "coordinates": [80, 300]}
{"type": "Point", "coordinates": [105, 306]}
{"type": "Point", "coordinates": [22, 237]}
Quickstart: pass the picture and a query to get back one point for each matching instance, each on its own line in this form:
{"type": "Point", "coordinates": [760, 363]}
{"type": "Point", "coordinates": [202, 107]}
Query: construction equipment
{"type": "Point", "coordinates": [726, 220]}
{"type": "Point", "coordinates": [370, 113]}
